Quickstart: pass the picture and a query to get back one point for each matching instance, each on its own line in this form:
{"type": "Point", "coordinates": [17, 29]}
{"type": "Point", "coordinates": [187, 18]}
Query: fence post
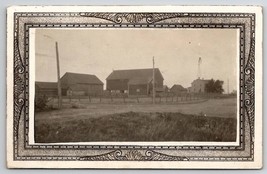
{"type": "Point", "coordinates": [70, 98]}
{"type": "Point", "coordinates": [100, 99]}
{"type": "Point", "coordinates": [137, 99]}
{"type": "Point", "coordinates": [52, 101]}
{"type": "Point", "coordinates": [177, 98]}
{"type": "Point", "coordinates": [166, 99]}
{"type": "Point", "coordinates": [160, 99]}
{"type": "Point", "coordinates": [89, 98]}
{"type": "Point", "coordinates": [123, 99]}
{"type": "Point", "coordinates": [172, 98]}
{"type": "Point", "coordinates": [111, 98]}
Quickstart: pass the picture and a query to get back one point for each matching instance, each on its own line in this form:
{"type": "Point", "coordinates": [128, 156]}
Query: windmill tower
{"type": "Point", "coordinates": [199, 68]}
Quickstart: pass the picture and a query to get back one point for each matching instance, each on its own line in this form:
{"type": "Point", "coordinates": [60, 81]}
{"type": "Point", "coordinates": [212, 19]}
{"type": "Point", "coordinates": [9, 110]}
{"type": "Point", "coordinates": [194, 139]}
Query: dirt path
{"type": "Point", "coordinates": [212, 107]}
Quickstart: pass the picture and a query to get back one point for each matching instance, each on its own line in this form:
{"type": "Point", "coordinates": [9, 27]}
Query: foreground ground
{"type": "Point", "coordinates": [212, 120]}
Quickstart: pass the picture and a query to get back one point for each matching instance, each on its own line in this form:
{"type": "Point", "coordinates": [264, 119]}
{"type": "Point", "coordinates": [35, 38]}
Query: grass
{"type": "Point", "coordinates": [137, 126]}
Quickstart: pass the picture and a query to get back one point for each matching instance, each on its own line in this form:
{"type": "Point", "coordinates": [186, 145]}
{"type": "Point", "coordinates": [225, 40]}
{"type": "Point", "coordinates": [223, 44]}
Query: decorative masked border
{"type": "Point", "coordinates": [133, 20]}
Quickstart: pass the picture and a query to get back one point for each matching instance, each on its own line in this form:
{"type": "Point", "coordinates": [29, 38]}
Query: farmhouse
{"type": "Point", "coordinates": [135, 81]}
{"type": "Point", "coordinates": [46, 88]}
{"type": "Point", "coordinates": [178, 89]}
{"type": "Point", "coordinates": [198, 86]}
{"type": "Point", "coordinates": [81, 84]}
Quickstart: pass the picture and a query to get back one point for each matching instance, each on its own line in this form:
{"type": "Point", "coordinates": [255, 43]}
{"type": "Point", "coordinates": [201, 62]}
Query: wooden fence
{"type": "Point", "coordinates": [124, 99]}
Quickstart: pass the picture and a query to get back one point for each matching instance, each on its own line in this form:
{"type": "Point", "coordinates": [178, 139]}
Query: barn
{"type": "Point", "coordinates": [134, 81]}
{"type": "Point", "coordinates": [178, 89]}
{"type": "Point", "coordinates": [46, 89]}
{"type": "Point", "coordinates": [71, 84]}
{"type": "Point", "coordinates": [81, 84]}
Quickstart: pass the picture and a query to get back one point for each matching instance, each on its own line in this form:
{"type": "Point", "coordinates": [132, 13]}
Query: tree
{"type": "Point", "coordinates": [214, 86]}
{"type": "Point", "coordinates": [40, 103]}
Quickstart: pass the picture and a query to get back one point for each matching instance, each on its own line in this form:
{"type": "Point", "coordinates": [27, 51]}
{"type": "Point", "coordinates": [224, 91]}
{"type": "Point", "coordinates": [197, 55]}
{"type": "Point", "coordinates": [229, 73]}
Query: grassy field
{"type": "Point", "coordinates": [212, 120]}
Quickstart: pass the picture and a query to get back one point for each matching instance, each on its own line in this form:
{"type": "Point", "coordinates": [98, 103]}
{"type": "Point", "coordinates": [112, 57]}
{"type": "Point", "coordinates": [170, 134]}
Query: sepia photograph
{"type": "Point", "coordinates": [135, 85]}
{"type": "Point", "coordinates": [138, 87]}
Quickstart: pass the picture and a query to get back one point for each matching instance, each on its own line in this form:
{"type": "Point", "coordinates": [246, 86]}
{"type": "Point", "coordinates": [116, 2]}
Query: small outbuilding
{"type": "Point", "coordinates": [72, 84]}
{"type": "Point", "coordinates": [46, 89]}
{"type": "Point", "coordinates": [81, 84]}
{"type": "Point", "coordinates": [178, 89]}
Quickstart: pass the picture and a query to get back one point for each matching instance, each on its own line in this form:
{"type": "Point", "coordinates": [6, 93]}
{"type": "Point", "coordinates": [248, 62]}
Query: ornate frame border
{"type": "Point", "coordinates": [24, 21]}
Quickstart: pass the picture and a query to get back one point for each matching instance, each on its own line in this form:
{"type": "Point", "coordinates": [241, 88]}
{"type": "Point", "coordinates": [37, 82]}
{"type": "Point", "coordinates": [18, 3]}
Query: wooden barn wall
{"type": "Point", "coordinates": [133, 89]}
{"type": "Point", "coordinates": [46, 92]}
{"type": "Point", "coordinates": [120, 84]}
{"type": "Point", "coordinates": [86, 89]}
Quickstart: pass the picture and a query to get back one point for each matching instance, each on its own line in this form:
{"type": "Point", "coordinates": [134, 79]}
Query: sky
{"type": "Point", "coordinates": [176, 53]}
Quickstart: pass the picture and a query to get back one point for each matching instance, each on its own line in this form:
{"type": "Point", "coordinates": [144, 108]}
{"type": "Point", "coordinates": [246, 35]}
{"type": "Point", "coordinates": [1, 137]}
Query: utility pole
{"type": "Point", "coordinates": [154, 92]}
{"type": "Point", "coordinates": [58, 79]}
{"type": "Point", "coordinates": [228, 86]}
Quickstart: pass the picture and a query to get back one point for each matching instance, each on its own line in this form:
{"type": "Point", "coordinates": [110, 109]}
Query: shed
{"type": "Point", "coordinates": [46, 88]}
{"type": "Point", "coordinates": [178, 89]}
{"type": "Point", "coordinates": [81, 84]}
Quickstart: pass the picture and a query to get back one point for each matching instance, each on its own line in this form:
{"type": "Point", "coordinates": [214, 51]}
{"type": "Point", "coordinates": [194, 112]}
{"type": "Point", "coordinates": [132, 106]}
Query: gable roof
{"type": "Point", "coordinates": [46, 85]}
{"type": "Point", "coordinates": [178, 87]}
{"type": "Point", "coordinates": [82, 78]}
{"type": "Point", "coordinates": [134, 73]}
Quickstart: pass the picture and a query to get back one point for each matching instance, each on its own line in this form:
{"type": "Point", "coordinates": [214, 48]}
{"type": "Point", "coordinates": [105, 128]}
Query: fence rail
{"type": "Point", "coordinates": [182, 98]}
{"type": "Point", "coordinates": [133, 99]}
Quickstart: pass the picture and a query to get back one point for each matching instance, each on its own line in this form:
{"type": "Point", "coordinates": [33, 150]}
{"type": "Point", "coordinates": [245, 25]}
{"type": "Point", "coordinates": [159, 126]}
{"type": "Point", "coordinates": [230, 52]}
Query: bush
{"type": "Point", "coordinates": [40, 103]}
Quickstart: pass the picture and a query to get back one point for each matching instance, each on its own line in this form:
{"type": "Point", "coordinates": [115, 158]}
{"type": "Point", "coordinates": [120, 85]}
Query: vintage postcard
{"type": "Point", "coordinates": [157, 87]}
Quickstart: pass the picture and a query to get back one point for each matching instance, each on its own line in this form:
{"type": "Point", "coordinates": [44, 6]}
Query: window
{"type": "Point", "coordinates": [137, 90]}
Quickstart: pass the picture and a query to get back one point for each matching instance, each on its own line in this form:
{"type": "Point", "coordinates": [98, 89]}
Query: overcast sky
{"type": "Point", "coordinates": [176, 52]}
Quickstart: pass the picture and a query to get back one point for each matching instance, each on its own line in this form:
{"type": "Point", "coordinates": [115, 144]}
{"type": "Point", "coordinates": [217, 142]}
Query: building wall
{"type": "Point", "coordinates": [198, 86]}
{"type": "Point", "coordinates": [65, 81]}
{"type": "Point", "coordinates": [81, 93]}
{"type": "Point", "coordinates": [122, 85]}
{"type": "Point", "coordinates": [85, 89]}
{"type": "Point", "coordinates": [119, 84]}
{"type": "Point", "coordinates": [177, 91]}
{"type": "Point", "coordinates": [46, 92]}
{"type": "Point", "coordinates": [159, 79]}
{"type": "Point", "coordinates": [138, 89]}
{"type": "Point", "coordinates": [159, 82]}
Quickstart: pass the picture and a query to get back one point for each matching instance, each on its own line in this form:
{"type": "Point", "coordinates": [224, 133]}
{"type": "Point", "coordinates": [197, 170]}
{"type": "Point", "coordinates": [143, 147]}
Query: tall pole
{"type": "Point", "coordinates": [199, 67]}
{"type": "Point", "coordinates": [58, 79]}
{"type": "Point", "coordinates": [154, 92]}
{"type": "Point", "coordinates": [228, 86]}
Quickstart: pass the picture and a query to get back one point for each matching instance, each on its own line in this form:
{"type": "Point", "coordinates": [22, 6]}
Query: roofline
{"type": "Point", "coordinates": [66, 73]}
{"type": "Point", "coordinates": [44, 82]}
{"type": "Point", "coordinates": [133, 69]}
{"type": "Point", "coordinates": [78, 73]}
{"type": "Point", "coordinates": [91, 83]}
